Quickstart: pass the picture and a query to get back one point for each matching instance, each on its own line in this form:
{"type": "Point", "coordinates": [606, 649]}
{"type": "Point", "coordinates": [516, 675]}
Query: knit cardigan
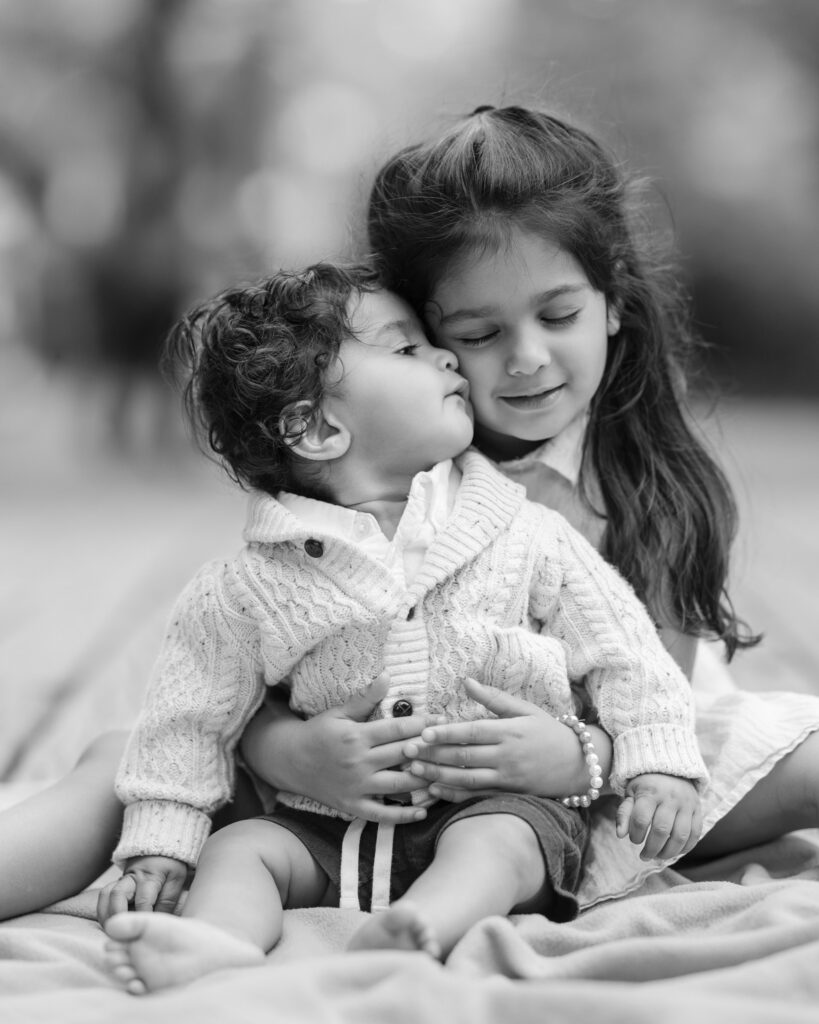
{"type": "Point", "coordinates": [508, 593]}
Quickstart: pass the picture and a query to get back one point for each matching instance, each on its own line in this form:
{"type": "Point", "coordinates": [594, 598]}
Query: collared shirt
{"type": "Point", "coordinates": [429, 503]}
{"type": "Point", "coordinates": [550, 474]}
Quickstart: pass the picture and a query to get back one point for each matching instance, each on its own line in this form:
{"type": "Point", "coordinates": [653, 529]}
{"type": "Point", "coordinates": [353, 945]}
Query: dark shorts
{"type": "Point", "coordinates": [562, 834]}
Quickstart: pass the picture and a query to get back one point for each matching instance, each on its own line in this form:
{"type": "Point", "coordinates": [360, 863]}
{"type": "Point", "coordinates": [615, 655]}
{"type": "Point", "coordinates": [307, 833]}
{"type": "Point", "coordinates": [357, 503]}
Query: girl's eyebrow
{"type": "Point", "coordinates": [476, 312]}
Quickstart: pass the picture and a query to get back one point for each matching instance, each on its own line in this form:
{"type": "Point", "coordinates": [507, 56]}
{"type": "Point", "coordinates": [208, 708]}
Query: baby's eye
{"type": "Point", "coordinates": [408, 349]}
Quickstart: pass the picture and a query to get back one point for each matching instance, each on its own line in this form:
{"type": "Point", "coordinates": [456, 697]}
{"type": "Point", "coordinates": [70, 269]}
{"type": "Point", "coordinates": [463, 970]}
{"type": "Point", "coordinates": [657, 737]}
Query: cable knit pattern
{"type": "Point", "coordinates": [317, 611]}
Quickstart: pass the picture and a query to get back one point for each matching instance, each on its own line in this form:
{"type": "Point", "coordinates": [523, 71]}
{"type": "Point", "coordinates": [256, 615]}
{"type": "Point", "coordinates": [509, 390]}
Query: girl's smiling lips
{"type": "Point", "coordinates": [533, 399]}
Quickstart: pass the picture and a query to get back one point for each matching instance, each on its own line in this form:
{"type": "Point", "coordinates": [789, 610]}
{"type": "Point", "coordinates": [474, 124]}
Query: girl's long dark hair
{"type": "Point", "coordinates": [671, 515]}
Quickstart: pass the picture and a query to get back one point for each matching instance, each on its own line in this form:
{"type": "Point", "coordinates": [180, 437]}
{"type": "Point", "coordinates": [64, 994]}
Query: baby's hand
{"type": "Point", "coordinates": [147, 883]}
{"type": "Point", "coordinates": [665, 808]}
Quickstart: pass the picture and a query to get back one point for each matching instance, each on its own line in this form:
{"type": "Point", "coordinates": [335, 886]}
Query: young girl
{"type": "Point", "coordinates": [625, 469]}
{"type": "Point", "coordinates": [368, 549]}
{"type": "Point", "coordinates": [503, 233]}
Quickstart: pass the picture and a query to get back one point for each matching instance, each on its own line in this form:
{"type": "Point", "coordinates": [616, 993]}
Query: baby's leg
{"type": "Point", "coordinates": [233, 914]}
{"type": "Point", "coordinates": [57, 842]}
{"type": "Point", "coordinates": [785, 800]}
{"type": "Point", "coordinates": [484, 865]}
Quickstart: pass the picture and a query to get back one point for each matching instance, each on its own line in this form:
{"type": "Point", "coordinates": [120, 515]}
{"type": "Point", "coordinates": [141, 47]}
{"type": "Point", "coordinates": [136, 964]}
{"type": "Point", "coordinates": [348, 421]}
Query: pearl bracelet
{"type": "Point", "coordinates": [592, 761]}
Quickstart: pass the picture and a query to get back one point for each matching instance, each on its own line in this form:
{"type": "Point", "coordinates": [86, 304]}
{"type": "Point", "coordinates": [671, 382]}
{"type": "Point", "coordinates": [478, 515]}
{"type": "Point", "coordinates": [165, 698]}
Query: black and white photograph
{"type": "Point", "coordinates": [409, 414]}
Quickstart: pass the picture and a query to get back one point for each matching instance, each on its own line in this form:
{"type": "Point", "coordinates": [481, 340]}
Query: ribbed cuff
{"type": "Point", "coordinates": [162, 828]}
{"type": "Point", "coordinates": [663, 749]}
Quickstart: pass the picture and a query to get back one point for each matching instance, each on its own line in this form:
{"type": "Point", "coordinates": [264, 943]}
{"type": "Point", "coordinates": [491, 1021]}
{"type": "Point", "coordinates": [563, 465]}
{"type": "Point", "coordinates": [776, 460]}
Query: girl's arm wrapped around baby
{"type": "Point", "coordinates": [642, 698]}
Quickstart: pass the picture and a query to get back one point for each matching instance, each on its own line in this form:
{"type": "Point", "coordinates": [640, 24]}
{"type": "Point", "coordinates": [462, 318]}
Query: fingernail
{"type": "Point", "coordinates": [428, 735]}
{"type": "Point", "coordinates": [434, 790]}
{"type": "Point", "coordinates": [411, 750]}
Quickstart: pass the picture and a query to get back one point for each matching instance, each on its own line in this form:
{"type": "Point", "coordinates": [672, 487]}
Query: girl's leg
{"type": "Point", "coordinates": [58, 841]}
{"type": "Point", "coordinates": [489, 864]}
{"type": "Point", "coordinates": [785, 800]}
{"type": "Point", "coordinates": [247, 874]}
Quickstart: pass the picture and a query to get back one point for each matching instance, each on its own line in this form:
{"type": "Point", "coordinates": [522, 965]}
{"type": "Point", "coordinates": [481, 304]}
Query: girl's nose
{"type": "Point", "coordinates": [529, 352]}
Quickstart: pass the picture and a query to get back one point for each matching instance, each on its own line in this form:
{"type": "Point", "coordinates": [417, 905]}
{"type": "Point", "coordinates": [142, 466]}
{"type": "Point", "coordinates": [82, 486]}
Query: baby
{"type": "Point", "coordinates": [368, 550]}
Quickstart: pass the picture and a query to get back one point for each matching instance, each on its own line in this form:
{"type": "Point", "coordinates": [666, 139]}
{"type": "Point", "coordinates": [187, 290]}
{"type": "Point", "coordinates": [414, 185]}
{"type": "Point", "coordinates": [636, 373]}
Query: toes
{"type": "Point", "coordinates": [116, 953]}
{"type": "Point", "coordinates": [125, 927]}
{"type": "Point", "coordinates": [427, 942]}
{"type": "Point", "coordinates": [124, 973]}
{"type": "Point", "coordinates": [136, 987]}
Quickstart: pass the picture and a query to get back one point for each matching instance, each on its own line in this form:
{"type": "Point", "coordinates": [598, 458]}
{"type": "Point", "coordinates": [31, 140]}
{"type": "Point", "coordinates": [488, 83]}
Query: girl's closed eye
{"type": "Point", "coordinates": [481, 339]}
{"type": "Point", "coordinates": [561, 321]}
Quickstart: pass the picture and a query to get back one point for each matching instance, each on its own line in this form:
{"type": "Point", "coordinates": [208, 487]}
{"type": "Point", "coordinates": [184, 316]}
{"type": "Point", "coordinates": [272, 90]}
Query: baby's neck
{"type": "Point", "coordinates": [364, 488]}
{"type": "Point", "coordinates": [387, 513]}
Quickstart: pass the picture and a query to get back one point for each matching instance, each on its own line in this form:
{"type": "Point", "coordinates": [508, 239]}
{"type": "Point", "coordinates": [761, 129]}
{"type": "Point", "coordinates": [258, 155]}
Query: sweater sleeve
{"type": "Point", "coordinates": [178, 767]}
{"type": "Point", "coordinates": [642, 698]}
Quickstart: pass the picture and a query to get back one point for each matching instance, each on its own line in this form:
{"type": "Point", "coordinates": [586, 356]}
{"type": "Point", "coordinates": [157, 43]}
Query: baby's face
{"type": "Point", "coordinates": [405, 405]}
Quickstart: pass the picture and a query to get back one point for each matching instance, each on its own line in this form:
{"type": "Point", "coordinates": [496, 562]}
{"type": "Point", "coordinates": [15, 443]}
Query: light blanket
{"type": "Point", "coordinates": [736, 941]}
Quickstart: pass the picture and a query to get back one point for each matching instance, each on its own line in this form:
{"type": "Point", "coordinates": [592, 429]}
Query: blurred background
{"type": "Point", "coordinates": [152, 151]}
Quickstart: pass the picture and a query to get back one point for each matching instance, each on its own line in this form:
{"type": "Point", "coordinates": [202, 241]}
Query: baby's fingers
{"type": "Point", "coordinates": [669, 831]}
{"type": "Point", "coordinates": [115, 897]}
{"type": "Point", "coordinates": [684, 835]}
{"type": "Point", "coordinates": [636, 820]}
{"type": "Point", "coordinates": [168, 896]}
{"type": "Point", "coordinates": [624, 816]}
{"type": "Point", "coordinates": [147, 892]}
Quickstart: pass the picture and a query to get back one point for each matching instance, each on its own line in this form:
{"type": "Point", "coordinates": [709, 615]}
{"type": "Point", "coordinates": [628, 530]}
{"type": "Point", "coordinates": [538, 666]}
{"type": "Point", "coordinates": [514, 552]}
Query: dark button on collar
{"type": "Point", "coordinates": [314, 548]}
{"type": "Point", "coordinates": [401, 709]}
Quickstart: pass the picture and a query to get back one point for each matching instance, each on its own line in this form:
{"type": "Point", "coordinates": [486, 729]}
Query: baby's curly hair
{"type": "Point", "coordinates": [251, 365]}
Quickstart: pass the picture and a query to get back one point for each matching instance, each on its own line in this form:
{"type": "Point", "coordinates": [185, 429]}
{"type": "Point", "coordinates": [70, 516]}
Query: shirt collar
{"type": "Point", "coordinates": [430, 498]}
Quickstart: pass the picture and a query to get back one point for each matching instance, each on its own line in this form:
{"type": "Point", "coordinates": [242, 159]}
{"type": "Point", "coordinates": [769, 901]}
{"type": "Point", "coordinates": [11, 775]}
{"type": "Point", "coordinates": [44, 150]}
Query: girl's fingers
{"type": "Point", "coordinates": [458, 778]}
{"type": "Point", "coordinates": [390, 814]}
{"type": "Point", "coordinates": [500, 703]}
{"type": "Point", "coordinates": [392, 783]}
{"type": "Point", "coordinates": [484, 730]}
{"type": "Point", "coordinates": [462, 756]}
{"type": "Point", "coordinates": [360, 706]}
{"type": "Point", "coordinates": [455, 795]}
{"type": "Point", "coordinates": [392, 730]}
{"type": "Point", "coordinates": [386, 755]}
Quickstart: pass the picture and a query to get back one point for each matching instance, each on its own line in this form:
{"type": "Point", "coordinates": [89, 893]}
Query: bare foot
{"type": "Point", "coordinates": [401, 926]}
{"type": "Point", "coordinates": [147, 952]}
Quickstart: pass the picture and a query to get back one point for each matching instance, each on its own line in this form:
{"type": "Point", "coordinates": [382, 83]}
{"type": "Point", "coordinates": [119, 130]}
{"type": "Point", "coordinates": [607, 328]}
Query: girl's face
{"type": "Point", "coordinates": [530, 334]}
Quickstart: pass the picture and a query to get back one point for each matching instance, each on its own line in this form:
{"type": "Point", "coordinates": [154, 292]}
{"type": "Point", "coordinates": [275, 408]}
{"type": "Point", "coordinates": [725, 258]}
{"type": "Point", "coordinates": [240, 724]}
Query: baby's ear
{"type": "Point", "coordinates": [311, 433]}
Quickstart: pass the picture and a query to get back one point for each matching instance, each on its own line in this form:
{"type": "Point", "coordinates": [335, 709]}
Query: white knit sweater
{"type": "Point", "coordinates": [508, 593]}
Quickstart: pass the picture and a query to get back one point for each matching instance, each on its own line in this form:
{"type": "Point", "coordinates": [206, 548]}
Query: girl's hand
{"type": "Point", "coordinates": [664, 808]}
{"type": "Point", "coordinates": [524, 750]}
{"type": "Point", "coordinates": [148, 883]}
{"type": "Point", "coordinates": [338, 757]}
